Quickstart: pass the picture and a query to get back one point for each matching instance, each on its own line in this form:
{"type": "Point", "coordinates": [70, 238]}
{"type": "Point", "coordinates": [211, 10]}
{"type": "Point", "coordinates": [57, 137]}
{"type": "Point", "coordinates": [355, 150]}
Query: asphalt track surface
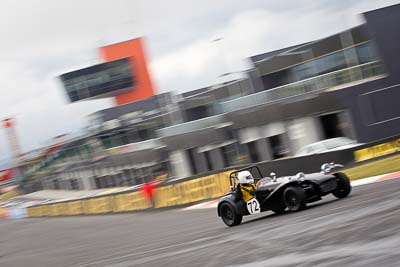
{"type": "Point", "coordinates": [361, 230]}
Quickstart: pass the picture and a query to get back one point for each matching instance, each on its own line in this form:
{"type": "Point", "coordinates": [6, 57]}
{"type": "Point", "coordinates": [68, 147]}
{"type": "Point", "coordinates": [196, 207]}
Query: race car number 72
{"type": "Point", "coordinates": [253, 206]}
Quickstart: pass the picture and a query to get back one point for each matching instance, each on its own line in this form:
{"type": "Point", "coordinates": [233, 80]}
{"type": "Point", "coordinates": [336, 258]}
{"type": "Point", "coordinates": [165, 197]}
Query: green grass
{"type": "Point", "coordinates": [387, 165]}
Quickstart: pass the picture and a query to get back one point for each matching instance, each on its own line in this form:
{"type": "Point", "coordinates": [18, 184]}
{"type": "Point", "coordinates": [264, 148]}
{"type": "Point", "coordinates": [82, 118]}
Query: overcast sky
{"type": "Point", "coordinates": [44, 38]}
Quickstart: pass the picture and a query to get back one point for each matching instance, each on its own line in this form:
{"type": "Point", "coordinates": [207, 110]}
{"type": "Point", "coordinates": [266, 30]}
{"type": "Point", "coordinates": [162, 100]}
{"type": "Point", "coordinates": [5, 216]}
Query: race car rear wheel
{"type": "Point", "coordinates": [294, 198]}
{"type": "Point", "coordinates": [229, 215]}
{"type": "Point", "coordinates": [344, 186]}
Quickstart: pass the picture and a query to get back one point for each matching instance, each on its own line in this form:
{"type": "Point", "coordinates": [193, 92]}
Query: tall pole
{"type": "Point", "coordinates": [8, 125]}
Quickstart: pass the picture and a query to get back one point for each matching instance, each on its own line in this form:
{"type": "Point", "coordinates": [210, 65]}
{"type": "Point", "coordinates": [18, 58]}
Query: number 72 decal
{"type": "Point", "coordinates": [253, 206]}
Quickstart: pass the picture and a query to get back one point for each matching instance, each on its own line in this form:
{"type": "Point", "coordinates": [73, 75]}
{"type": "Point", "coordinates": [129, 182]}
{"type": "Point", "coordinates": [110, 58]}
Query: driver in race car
{"type": "Point", "coordinates": [246, 188]}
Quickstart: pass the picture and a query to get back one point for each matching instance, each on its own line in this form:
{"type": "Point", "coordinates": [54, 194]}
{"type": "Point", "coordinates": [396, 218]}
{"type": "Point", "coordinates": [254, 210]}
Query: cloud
{"type": "Point", "coordinates": [246, 34]}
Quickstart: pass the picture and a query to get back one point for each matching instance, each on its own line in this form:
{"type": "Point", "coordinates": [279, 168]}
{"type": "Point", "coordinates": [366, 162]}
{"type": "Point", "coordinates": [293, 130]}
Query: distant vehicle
{"type": "Point", "coordinates": [327, 145]}
{"type": "Point", "coordinates": [278, 193]}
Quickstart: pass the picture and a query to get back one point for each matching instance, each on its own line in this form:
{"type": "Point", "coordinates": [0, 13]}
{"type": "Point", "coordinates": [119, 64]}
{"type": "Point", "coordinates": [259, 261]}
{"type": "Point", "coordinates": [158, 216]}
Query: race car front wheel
{"type": "Point", "coordinates": [294, 198]}
{"type": "Point", "coordinates": [229, 215]}
{"type": "Point", "coordinates": [344, 186]}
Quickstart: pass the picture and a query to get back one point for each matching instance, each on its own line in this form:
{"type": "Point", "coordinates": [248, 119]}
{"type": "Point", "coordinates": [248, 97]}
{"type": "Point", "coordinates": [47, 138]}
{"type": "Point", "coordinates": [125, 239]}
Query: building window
{"type": "Point", "coordinates": [197, 113]}
{"type": "Point", "coordinates": [208, 160]}
{"type": "Point", "coordinates": [278, 148]}
{"type": "Point", "coordinates": [253, 151]}
{"type": "Point", "coordinates": [331, 125]}
{"type": "Point", "coordinates": [229, 155]}
{"type": "Point", "coordinates": [106, 141]}
{"type": "Point", "coordinates": [366, 53]}
{"type": "Point", "coordinates": [302, 71]}
{"type": "Point", "coordinates": [74, 184]}
{"type": "Point", "coordinates": [114, 179]}
{"type": "Point", "coordinates": [120, 179]}
{"type": "Point", "coordinates": [339, 60]}
{"type": "Point", "coordinates": [138, 180]}
{"type": "Point", "coordinates": [146, 134]}
{"type": "Point", "coordinates": [56, 184]}
{"type": "Point", "coordinates": [192, 162]}
{"type": "Point", "coordinates": [98, 183]}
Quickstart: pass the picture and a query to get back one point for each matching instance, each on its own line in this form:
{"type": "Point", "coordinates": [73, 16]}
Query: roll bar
{"type": "Point", "coordinates": [233, 175]}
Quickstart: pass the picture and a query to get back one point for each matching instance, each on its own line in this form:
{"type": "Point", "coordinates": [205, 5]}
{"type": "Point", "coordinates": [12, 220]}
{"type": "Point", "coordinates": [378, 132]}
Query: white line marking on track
{"type": "Point", "coordinates": [204, 205]}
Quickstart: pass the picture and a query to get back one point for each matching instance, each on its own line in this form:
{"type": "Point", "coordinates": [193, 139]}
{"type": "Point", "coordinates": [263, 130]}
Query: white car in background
{"type": "Point", "coordinates": [327, 145]}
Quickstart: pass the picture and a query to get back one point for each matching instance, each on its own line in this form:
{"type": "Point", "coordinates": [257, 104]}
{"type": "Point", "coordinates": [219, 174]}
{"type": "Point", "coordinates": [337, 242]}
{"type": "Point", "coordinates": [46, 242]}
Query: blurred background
{"type": "Point", "coordinates": [101, 97]}
{"type": "Point", "coordinates": [184, 92]}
